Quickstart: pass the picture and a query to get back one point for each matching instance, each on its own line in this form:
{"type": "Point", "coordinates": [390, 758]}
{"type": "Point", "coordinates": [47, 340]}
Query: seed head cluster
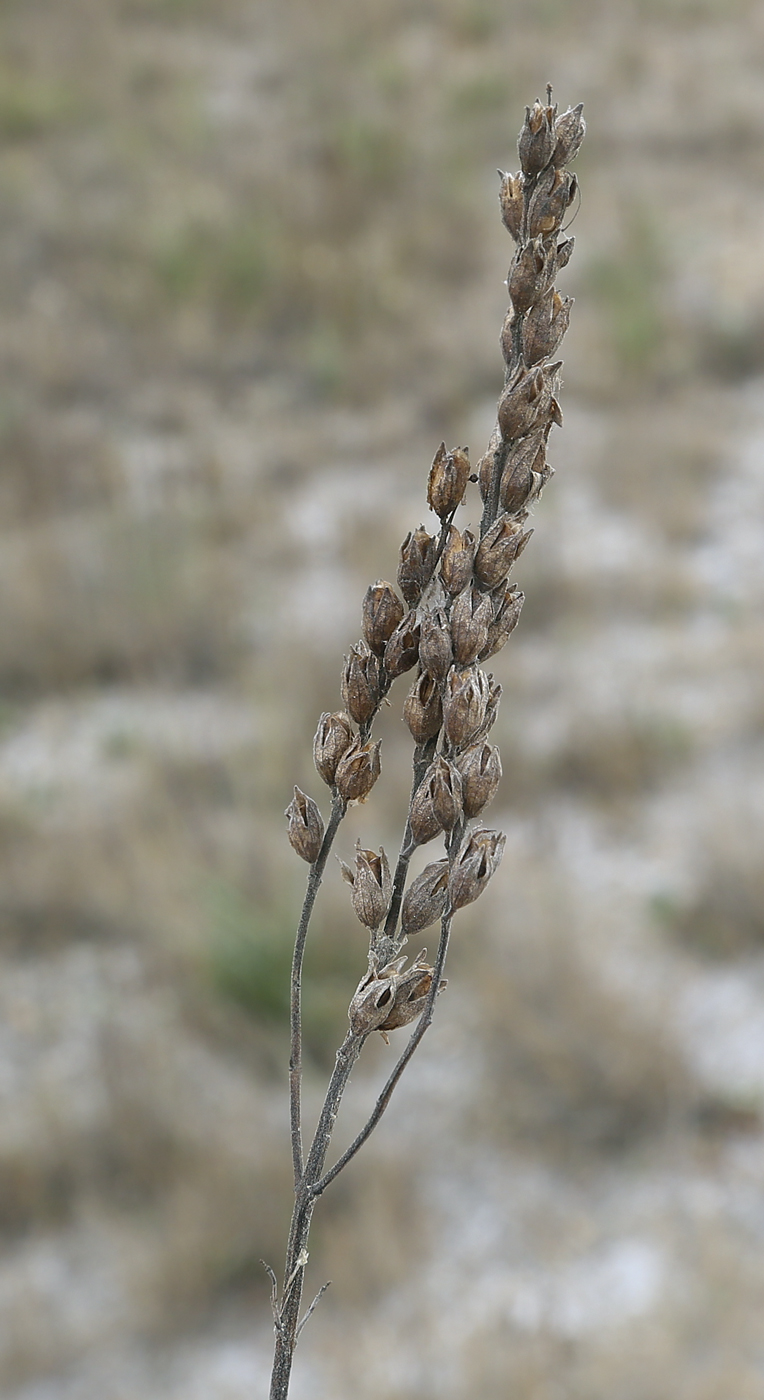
{"type": "Point", "coordinates": [454, 607]}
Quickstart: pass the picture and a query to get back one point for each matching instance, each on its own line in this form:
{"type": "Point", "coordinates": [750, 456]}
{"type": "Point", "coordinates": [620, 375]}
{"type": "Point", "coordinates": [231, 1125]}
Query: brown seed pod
{"type": "Point", "coordinates": [426, 897]}
{"type": "Point", "coordinates": [360, 686]}
{"type": "Point", "coordinates": [456, 563]}
{"type": "Point", "coordinates": [305, 827]}
{"type": "Point", "coordinates": [445, 787]}
{"type": "Point", "coordinates": [358, 770]}
{"type": "Point", "coordinates": [333, 736]}
{"type": "Point", "coordinates": [474, 867]}
{"type": "Point", "coordinates": [517, 480]}
{"type": "Point", "coordinates": [422, 709]}
{"type": "Point", "coordinates": [552, 197]}
{"type": "Point", "coordinates": [480, 770]}
{"type": "Point", "coordinates": [464, 704]}
{"type": "Point", "coordinates": [417, 564]}
{"type": "Point", "coordinates": [448, 480]}
{"type": "Point", "coordinates": [382, 611]}
{"type": "Point", "coordinates": [532, 272]}
{"type": "Point", "coordinates": [402, 650]}
{"type": "Point", "coordinates": [470, 618]}
{"type": "Point", "coordinates": [435, 650]}
{"type": "Point", "coordinates": [511, 201]}
{"type": "Point", "coordinates": [371, 884]}
{"type": "Point", "coordinates": [508, 601]}
{"type": "Point", "coordinates": [545, 325]}
{"type": "Point", "coordinates": [498, 550]}
{"type": "Point", "coordinates": [535, 143]}
{"type": "Point", "coordinates": [569, 132]}
{"type": "Point", "coordinates": [527, 400]}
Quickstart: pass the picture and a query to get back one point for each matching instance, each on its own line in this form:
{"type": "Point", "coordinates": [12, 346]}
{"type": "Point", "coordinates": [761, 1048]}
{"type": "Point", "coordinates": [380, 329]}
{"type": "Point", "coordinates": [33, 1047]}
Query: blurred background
{"type": "Point", "coordinates": [251, 272]}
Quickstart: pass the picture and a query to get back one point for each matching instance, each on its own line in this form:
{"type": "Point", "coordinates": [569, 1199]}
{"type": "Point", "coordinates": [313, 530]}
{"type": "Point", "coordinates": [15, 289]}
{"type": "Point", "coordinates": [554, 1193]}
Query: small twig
{"type": "Point", "coordinates": [317, 1298]}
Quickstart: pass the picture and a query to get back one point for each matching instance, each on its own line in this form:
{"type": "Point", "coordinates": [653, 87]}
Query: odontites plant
{"type": "Point", "coordinates": [455, 607]}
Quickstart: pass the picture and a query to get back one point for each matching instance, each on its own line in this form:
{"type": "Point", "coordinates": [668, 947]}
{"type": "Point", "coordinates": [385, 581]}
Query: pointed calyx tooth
{"type": "Point", "coordinates": [426, 898]}
{"type": "Point", "coordinates": [498, 550]}
{"type": "Point", "coordinates": [545, 325]}
{"type": "Point", "coordinates": [382, 611]}
{"type": "Point", "coordinates": [305, 827]}
{"type": "Point", "coordinates": [358, 770]}
{"type": "Point", "coordinates": [480, 769]}
{"type": "Point", "coordinates": [507, 601]}
{"type": "Point", "coordinates": [372, 885]}
{"type": "Point", "coordinates": [417, 564]}
{"type": "Point", "coordinates": [402, 650]}
{"type": "Point", "coordinates": [517, 479]}
{"type": "Point", "coordinates": [532, 273]}
{"type": "Point", "coordinates": [535, 143]}
{"type": "Point", "coordinates": [422, 709]}
{"type": "Point", "coordinates": [474, 866]}
{"type": "Point", "coordinates": [552, 197]}
{"type": "Point", "coordinates": [569, 131]}
{"type": "Point", "coordinates": [456, 562]}
{"type": "Point", "coordinates": [471, 616]}
{"type": "Point", "coordinates": [435, 650]}
{"type": "Point", "coordinates": [361, 683]}
{"type": "Point", "coordinates": [464, 704]}
{"type": "Point", "coordinates": [448, 480]}
{"type": "Point", "coordinates": [333, 737]}
{"type": "Point", "coordinates": [511, 201]}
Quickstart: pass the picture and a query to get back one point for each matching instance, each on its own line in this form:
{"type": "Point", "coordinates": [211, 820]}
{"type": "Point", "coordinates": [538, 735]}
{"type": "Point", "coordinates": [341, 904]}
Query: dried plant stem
{"type": "Point", "coordinates": [462, 610]}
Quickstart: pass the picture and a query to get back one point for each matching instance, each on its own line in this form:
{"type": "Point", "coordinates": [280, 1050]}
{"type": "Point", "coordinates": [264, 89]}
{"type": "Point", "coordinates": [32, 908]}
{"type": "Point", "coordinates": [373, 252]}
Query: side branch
{"type": "Point", "coordinates": [339, 808]}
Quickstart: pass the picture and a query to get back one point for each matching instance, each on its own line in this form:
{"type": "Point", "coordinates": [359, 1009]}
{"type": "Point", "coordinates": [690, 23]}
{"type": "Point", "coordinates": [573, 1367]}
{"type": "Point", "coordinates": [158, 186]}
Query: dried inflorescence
{"type": "Point", "coordinates": [455, 606]}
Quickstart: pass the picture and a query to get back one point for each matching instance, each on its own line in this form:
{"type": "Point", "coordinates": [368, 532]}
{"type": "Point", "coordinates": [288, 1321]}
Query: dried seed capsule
{"type": "Point", "coordinates": [417, 564]}
{"type": "Point", "coordinates": [456, 563]}
{"type": "Point", "coordinates": [517, 479]}
{"type": "Point", "coordinates": [569, 132]}
{"type": "Point", "coordinates": [507, 338]}
{"type": "Point", "coordinates": [508, 602]}
{"type": "Point", "coordinates": [445, 786]}
{"type": "Point", "coordinates": [498, 549]}
{"type": "Point", "coordinates": [402, 650]}
{"type": "Point", "coordinates": [471, 616]}
{"type": "Point", "coordinates": [545, 326]}
{"type": "Point", "coordinates": [422, 709]}
{"type": "Point", "coordinates": [410, 994]}
{"type": "Point", "coordinates": [435, 650]}
{"type": "Point", "coordinates": [474, 867]}
{"type": "Point", "coordinates": [449, 474]}
{"type": "Point", "coordinates": [553, 196]}
{"type": "Point", "coordinates": [360, 686]}
{"type": "Point", "coordinates": [424, 823]}
{"type": "Point", "coordinates": [491, 708]}
{"type": "Point", "coordinates": [527, 400]}
{"type": "Point", "coordinates": [531, 274]}
{"type": "Point", "coordinates": [372, 885]}
{"type": "Point", "coordinates": [358, 770]}
{"type": "Point", "coordinates": [511, 201]}
{"type": "Point", "coordinates": [535, 143]}
{"type": "Point", "coordinates": [464, 705]}
{"type": "Point", "coordinates": [373, 999]}
{"type": "Point", "coordinates": [480, 769]}
{"type": "Point", "coordinates": [333, 736]}
{"type": "Point", "coordinates": [485, 466]}
{"type": "Point", "coordinates": [426, 898]}
{"type": "Point", "coordinates": [305, 827]}
{"type": "Point", "coordinates": [382, 611]}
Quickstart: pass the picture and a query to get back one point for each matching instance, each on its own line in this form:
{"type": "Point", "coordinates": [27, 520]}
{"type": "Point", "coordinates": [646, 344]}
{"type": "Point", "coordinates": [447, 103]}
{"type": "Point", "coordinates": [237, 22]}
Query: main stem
{"type": "Point", "coordinates": [287, 1323]}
